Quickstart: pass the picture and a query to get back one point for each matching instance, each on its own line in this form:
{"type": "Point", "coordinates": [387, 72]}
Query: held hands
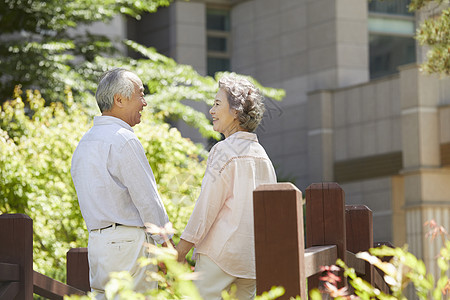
{"type": "Point", "coordinates": [183, 248]}
{"type": "Point", "coordinates": [169, 243]}
{"type": "Point", "coordinates": [166, 245]}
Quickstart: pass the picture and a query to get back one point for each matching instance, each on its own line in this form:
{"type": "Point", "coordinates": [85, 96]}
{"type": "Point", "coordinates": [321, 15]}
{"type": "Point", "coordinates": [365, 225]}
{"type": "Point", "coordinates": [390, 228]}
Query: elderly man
{"type": "Point", "coordinates": [115, 185]}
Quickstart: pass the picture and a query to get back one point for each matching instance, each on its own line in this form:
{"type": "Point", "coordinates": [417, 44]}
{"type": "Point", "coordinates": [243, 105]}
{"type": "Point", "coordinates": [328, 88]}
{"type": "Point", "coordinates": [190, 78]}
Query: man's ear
{"type": "Point", "coordinates": [118, 100]}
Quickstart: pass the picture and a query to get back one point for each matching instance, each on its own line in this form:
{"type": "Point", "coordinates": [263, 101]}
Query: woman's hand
{"type": "Point", "coordinates": [183, 248]}
{"type": "Point", "coordinates": [165, 244]}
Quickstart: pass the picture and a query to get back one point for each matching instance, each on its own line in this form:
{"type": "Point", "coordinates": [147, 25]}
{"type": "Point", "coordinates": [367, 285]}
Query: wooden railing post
{"type": "Point", "coordinates": [16, 236]}
{"type": "Point", "coordinates": [325, 221]}
{"type": "Point", "coordinates": [279, 239]}
{"type": "Point", "coordinates": [359, 226]}
{"type": "Point", "coordinates": [78, 269]}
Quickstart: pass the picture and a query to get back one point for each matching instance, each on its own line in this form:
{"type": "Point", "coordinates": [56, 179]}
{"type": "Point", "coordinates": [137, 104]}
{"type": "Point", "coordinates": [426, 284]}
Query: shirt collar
{"type": "Point", "coordinates": [108, 120]}
{"type": "Point", "coordinates": [243, 135]}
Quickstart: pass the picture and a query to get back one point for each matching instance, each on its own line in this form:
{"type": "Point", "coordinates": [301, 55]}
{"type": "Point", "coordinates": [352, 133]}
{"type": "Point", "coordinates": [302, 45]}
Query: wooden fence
{"type": "Point", "coordinates": [333, 230]}
{"type": "Point", "coordinates": [18, 280]}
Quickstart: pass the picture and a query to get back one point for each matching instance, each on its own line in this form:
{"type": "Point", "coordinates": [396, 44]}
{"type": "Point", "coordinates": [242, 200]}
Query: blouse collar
{"type": "Point", "coordinates": [244, 135]}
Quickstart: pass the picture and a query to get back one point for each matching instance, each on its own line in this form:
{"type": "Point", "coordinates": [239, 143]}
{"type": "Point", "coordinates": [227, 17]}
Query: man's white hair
{"type": "Point", "coordinates": [116, 81]}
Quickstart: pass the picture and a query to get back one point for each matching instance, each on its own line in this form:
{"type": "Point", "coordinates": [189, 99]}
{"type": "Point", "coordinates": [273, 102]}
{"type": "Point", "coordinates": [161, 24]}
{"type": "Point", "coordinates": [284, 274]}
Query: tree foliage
{"type": "Point", "coordinates": [435, 33]}
{"type": "Point", "coordinates": [39, 52]}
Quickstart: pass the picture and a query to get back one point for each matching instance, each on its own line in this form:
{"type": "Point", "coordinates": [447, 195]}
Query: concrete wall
{"type": "Point", "coordinates": [407, 113]}
{"type": "Point", "coordinates": [177, 31]}
{"type": "Point", "coordinates": [300, 46]}
{"type": "Point", "coordinates": [377, 195]}
{"type": "Point", "coordinates": [188, 34]}
{"type": "Point", "coordinates": [188, 46]}
{"type": "Point", "coordinates": [305, 46]}
{"type": "Point", "coordinates": [318, 52]}
{"type": "Point", "coordinates": [270, 43]}
{"type": "Point", "coordinates": [115, 29]}
{"type": "Point", "coordinates": [367, 119]}
{"type": "Point", "coordinates": [153, 30]}
{"type": "Point", "coordinates": [367, 122]}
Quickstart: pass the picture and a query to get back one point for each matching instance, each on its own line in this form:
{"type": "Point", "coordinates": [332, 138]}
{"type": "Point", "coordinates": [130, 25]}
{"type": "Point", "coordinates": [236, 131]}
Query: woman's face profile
{"type": "Point", "coordinates": [224, 119]}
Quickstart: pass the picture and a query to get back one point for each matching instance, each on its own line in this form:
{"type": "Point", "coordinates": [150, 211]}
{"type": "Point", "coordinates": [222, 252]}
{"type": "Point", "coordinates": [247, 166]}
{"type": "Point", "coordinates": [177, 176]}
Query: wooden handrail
{"type": "Point", "coordinates": [356, 263]}
{"type": "Point", "coordinates": [318, 256]}
{"type": "Point", "coordinates": [51, 288]}
{"type": "Point", "coordinates": [379, 282]}
{"type": "Point", "coordinates": [10, 290]}
{"type": "Point", "coordinates": [9, 280]}
{"type": "Point", "coordinates": [9, 272]}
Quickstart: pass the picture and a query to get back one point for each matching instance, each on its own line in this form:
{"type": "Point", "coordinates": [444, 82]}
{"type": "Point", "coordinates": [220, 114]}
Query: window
{"type": "Point", "coordinates": [218, 40]}
{"type": "Point", "coordinates": [391, 31]}
{"type": "Point", "coordinates": [398, 7]}
{"type": "Point", "coordinates": [387, 53]}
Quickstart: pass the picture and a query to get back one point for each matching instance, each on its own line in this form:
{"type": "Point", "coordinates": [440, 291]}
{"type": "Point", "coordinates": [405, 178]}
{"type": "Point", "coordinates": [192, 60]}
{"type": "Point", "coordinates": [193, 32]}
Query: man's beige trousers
{"type": "Point", "coordinates": [115, 249]}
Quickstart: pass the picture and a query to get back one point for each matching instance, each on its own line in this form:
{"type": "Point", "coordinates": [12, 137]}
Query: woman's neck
{"type": "Point", "coordinates": [233, 130]}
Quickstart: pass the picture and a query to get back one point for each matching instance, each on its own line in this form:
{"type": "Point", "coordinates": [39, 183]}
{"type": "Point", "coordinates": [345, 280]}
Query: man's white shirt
{"type": "Point", "coordinates": [113, 179]}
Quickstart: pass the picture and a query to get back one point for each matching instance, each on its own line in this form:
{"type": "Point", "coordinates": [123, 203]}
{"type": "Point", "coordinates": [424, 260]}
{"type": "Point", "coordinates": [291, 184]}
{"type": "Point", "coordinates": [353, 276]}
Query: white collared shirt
{"type": "Point", "coordinates": [113, 179]}
{"type": "Point", "coordinates": [221, 225]}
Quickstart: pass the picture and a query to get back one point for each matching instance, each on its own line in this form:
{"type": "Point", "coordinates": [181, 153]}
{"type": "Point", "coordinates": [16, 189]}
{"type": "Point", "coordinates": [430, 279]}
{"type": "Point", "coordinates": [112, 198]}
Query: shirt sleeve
{"type": "Point", "coordinates": [137, 176]}
{"type": "Point", "coordinates": [216, 189]}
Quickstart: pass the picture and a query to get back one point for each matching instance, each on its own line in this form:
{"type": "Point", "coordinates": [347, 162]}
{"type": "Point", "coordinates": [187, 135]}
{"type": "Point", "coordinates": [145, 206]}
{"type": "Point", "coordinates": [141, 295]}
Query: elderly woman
{"type": "Point", "coordinates": [221, 225]}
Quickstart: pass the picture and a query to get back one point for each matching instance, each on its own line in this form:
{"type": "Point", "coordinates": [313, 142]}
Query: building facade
{"type": "Point", "coordinates": [357, 111]}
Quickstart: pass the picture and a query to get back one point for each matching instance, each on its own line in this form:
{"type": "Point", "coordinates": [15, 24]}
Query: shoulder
{"type": "Point", "coordinates": [221, 152]}
{"type": "Point", "coordinates": [218, 157]}
{"type": "Point", "coordinates": [113, 130]}
{"type": "Point", "coordinates": [216, 148]}
{"type": "Point", "coordinates": [125, 134]}
{"type": "Point", "coordinates": [126, 139]}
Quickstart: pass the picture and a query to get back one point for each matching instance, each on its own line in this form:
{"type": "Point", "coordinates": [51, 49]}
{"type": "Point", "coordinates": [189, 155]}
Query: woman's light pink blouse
{"type": "Point", "coordinates": [221, 225]}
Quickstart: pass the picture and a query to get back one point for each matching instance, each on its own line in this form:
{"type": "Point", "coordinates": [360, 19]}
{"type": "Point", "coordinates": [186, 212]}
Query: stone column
{"type": "Point", "coordinates": [188, 47]}
{"type": "Point", "coordinates": [337, 43]}
{"type": "Point", "coordinates": [320, 136]}
{"type": "Point", "coordinates": [426, 183]}
{"type": "Point", "coordinates": [188, 34]}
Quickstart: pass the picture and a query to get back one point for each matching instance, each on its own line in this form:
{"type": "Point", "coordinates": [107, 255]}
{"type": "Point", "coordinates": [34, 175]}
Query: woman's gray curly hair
{"type": "Point", "coordinates": [246, 99]}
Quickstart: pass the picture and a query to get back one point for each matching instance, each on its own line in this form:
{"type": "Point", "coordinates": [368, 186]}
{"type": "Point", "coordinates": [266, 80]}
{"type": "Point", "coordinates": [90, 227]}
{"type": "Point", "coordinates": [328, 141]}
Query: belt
{"type": "Point", "coordinates": [112, 225]}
